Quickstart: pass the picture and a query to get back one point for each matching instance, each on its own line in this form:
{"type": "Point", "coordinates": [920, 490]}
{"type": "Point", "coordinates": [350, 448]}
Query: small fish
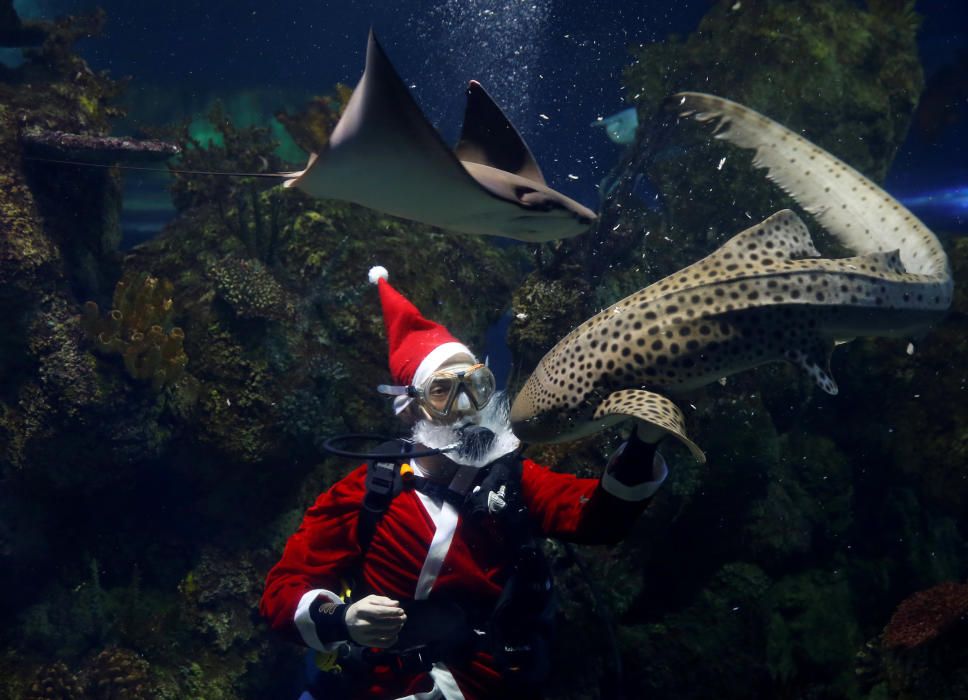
{"type": "Point", "coordinates": [621, 126]}
{"type": "Point", "coordinates": [384, 154]}
{"type": "Point", "coordinates": [765, 295]}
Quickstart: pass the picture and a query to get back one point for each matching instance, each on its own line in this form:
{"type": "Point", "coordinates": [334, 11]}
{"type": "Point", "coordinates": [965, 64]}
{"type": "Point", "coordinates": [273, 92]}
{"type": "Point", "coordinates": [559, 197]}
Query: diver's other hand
{"type": "Point", "coordinates": [375, 621]}
{"type": "Point", "coordinates": [634, 462]}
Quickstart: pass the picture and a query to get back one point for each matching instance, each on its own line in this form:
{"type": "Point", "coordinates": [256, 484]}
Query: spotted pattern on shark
{"type": "Point", "coordinates": [765, 295]}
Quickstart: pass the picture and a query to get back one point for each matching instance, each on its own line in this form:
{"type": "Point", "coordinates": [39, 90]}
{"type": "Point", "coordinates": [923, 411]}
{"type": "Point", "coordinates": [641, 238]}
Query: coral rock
{"type": "Point", "coordinates": [118, 674]}
{"type": "Point", "coordinates": [135, 329]}
{"type": "Point", "coordinates": [926, 615]}
{"type": "Point", "coordinates": [251, 290]}
{"type": "Point", "coordinates": [54, 682]}
{"type": "Point", "coordinates": [90, 148]}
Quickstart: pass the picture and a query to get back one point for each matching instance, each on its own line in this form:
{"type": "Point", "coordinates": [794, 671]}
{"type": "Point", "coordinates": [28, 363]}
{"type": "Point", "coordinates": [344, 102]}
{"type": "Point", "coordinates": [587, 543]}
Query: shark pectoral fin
{"type": "Point", "coordinates": [489, 138]}
{"type": "Point", "coordinates": [809, 359]}
{"type": "Point", "coordinates": [654, 409]}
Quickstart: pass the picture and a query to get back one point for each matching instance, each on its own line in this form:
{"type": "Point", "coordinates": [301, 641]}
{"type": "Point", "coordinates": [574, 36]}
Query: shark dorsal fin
{"type": "Point", "coordinates": [488, 138]}
{"type": "Point", "coordinates": [782, 236]}
{"type": "Point", "coordinates": [888, 261]}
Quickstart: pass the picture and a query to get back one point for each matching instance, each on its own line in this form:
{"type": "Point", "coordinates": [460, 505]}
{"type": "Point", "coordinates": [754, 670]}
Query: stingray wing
{"type": "Point", "coordinates": [489, 138]}
{"type": "Point", "coordinates": [385, 155]}
{"type": "Point", "coordinates": [382, 138]}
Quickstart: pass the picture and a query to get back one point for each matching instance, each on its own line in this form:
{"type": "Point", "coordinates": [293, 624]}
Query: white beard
{"type": "Point", "coordinates": [494, 417]}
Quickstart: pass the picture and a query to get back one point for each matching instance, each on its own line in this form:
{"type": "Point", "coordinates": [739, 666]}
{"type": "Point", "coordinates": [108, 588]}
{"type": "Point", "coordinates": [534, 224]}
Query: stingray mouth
{"type": "Point", "coordinates": [540, 220]}
{"type": "Point", "coordinates": [545, 205]}
{"type": "Point", "coordinates": [550, 210]}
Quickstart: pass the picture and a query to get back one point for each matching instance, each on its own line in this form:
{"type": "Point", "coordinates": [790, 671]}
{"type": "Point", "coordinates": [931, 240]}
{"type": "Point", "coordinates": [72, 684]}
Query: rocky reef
{"type": "Point", "coordinates": [162, 409]}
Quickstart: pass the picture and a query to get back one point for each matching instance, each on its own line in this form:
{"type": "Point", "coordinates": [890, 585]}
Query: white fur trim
{"type": "Point", "coordinates": [377, 273]}
{"type": "Point", "coordinates": [304, 622]}
{"type": "Point", "coordinates": [445, 522]}
{"type": "Point", "coordinates": [445, 686]}
{"type": "Point", "coordinates": [437, 357]}
{"type": "Point", "coordinates": [444, 681]}
{"type": "Point", "coordinates": [445, 519]}
{"type": "Point", "coordinates": [639, 492]}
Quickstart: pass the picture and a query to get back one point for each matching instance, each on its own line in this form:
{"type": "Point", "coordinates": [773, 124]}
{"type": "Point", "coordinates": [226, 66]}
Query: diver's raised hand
{"type": "Point", "coordinates": [375, 621]}
{"type": "Point", "coordinates": [648, 432]}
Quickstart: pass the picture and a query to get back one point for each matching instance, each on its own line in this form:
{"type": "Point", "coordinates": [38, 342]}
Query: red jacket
{"type": "Point", "coordinates": [422, 549]}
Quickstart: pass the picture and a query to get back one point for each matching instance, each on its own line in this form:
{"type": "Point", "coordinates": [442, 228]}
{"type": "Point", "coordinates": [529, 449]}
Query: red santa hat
{"type": "Point", "coordinates": [417, 346]}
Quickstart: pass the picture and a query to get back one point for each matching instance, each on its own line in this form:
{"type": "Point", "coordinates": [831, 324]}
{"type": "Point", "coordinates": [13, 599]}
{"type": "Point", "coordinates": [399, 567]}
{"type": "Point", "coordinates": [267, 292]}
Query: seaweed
{"type": "Point", "coordinates": [244, 208]}
{"type": "Point", "coordinates": [311, 127]}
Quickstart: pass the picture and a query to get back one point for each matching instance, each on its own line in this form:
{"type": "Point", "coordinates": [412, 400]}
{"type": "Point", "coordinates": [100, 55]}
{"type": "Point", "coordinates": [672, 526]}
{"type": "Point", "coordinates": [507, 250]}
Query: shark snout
{"type": "Point", "coordinates": [533, 423]}
{"type": "Point", "coordinates": [525, 422]}
{"type": "Point", "coordinates": [521, 409]}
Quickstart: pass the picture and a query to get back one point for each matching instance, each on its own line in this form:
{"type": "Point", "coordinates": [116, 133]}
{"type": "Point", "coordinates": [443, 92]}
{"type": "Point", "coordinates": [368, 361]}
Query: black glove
{"type": "Point", "coordinates": [632, 462]}
{"type": "Point", "coordinates": [329, 619]}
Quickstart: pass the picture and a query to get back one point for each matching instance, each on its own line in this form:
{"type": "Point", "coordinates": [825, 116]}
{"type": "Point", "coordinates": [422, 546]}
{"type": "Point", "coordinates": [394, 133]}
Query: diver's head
{"type": "Point", "coordinates": [439, 387]}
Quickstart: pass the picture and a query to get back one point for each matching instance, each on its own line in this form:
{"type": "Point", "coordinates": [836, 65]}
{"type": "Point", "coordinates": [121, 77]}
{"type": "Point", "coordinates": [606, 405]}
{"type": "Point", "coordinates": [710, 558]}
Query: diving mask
{"type": "Point", "coordinates": [448, 392]}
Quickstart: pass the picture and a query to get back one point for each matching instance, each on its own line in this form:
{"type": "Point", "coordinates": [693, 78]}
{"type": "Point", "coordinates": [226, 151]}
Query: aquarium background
{"type": "Point", "coordinates": [146, 488]}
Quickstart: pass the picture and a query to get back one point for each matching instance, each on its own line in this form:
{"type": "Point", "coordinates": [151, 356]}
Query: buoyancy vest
{"type": "Point", "coordinates": [518, 628]}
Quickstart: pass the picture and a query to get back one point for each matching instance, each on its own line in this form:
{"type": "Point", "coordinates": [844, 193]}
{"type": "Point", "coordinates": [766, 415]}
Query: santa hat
{"type": "Point", "coordinates": [417, 346]}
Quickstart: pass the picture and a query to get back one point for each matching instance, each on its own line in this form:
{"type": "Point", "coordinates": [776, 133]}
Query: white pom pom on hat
{"type": "Point", "coordinates": [377, 273]}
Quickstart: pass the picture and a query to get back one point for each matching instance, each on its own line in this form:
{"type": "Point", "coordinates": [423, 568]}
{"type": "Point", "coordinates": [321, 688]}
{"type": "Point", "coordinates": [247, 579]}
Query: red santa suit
{"type": "Point", "coordinates": [424, 549]}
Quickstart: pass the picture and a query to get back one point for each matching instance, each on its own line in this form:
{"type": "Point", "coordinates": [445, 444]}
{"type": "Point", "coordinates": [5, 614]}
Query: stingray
{"type": "Point", "coordinates": [384, 154]}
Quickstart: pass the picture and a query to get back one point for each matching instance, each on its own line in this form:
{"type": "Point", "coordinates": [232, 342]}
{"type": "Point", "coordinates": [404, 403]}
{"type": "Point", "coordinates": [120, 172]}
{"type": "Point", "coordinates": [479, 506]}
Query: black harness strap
{"type": "Point", "coordinates": [383, 484]}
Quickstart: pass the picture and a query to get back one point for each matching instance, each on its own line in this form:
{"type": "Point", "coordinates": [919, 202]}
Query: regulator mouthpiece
{"type": "Point", "coordinates": [475, 440]}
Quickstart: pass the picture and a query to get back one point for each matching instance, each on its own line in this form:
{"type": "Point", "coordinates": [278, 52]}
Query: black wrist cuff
{"type": "Point", "coordinates": [329, 619]}
{"type": "Point", "coordinates": [633, 465]}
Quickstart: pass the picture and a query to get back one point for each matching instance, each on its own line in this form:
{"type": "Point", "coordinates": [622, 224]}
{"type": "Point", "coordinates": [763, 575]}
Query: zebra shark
{"type": "Point", "coordinates": [763, 296]}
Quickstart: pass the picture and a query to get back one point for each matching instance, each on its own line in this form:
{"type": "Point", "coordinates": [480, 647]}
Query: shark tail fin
{"type": "Point", "coordinates": [857, 212]}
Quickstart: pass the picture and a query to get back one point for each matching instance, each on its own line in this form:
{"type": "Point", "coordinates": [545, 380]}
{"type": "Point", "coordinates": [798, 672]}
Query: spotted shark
{"type": "Point", "coordinates": [765, 295]}
{"type": "Point", "coordinates": [384, 154]}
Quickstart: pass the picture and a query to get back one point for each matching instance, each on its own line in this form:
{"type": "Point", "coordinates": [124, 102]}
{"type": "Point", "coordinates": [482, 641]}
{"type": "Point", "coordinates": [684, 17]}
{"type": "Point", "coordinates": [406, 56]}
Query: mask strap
{"type": "Point", "coordinates": [391, 390]}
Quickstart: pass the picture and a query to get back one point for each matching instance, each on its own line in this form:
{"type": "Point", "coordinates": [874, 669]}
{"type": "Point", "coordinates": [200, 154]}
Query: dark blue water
{"type": "Point", "coordinates": [554, 66]}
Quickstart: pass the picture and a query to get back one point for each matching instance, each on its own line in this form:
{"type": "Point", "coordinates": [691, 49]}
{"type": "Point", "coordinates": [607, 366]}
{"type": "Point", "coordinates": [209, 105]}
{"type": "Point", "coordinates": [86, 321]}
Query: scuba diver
{"type": "Point", "coordinates": [421, 574]}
